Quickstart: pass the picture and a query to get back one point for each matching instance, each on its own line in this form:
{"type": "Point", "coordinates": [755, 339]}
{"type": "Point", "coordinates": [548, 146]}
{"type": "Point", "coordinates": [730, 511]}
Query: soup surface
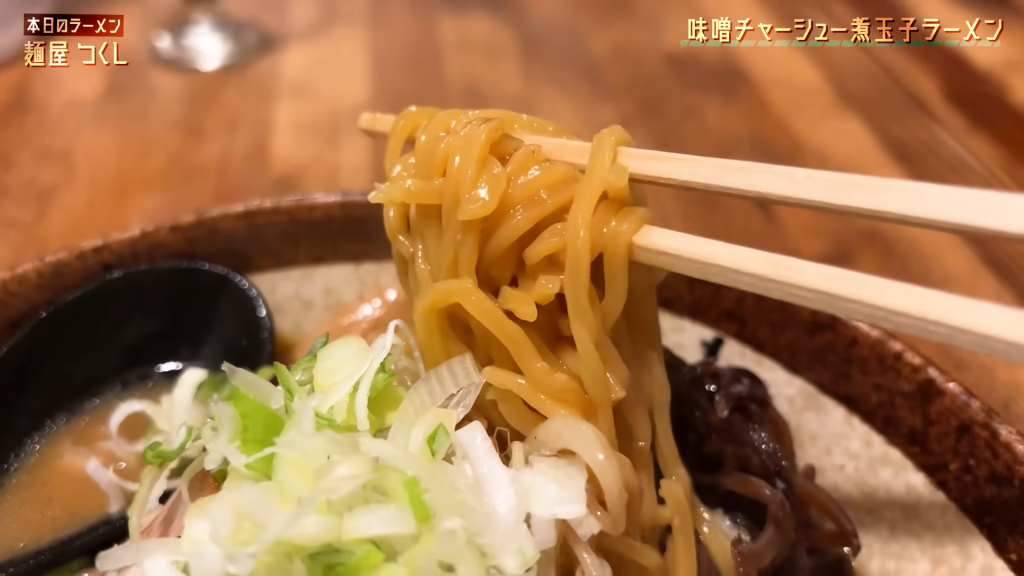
{"type": "Point", "coordinates": [367, 317]}
{"type": "Point", "coordinates": [76, 475]}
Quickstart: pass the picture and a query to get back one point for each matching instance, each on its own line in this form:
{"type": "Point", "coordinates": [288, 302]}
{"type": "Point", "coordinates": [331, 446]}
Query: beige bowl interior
{"type": "Point", "coordinates": [907, 526]}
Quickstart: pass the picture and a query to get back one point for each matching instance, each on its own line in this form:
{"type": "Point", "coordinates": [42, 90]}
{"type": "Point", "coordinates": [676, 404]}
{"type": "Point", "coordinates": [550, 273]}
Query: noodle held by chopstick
{"type": "Point", "coordinates": [525, 263]}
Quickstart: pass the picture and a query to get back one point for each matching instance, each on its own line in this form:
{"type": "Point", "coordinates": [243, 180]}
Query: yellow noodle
{"type": "Point", "coordinates": [616, 263]}
{"type": "Point", "coordinates": [408, 123]}
{"type": "Point", "coordinates": [550, 241]}
{"type": "Point", "coordinates": [681, 546]}
{"type": "Point", "coordinates": [643, 554]}
{"type": "Point", "coordinates": [487, 412]}
{"type": "Point", "coordinates": [515, 411]}
{"type": "Point", "coordinates": [539, 401]}
{"type": "Point", "coordinates": [541, 288]}
{"type": "Point", "coordinates": [525, 262]}
{"type": "Point", "coordinates": [553, 267]}
{"type": "Point", "coordinates": [542, 347]}
{"type": "Point", "coordinates": [481, 178]}
{"type": "Point", "coordinates": [396, 225]}
{"type": "Point", "coordinates": [526, 216]}
{"type": "Point", "coordinates": [408, 191]}
{"type": "Point", "coordinates": [503, 268]}
{"type": "Point", "coordinates": [534, 178]}
{"type": "Point", "coordinates": [618, 183]}
{"type": "Point", "coordinates": [518, 302]}
{"type": "Point", "coordinates": [468, 248]}
{"type": "Point", "coordinates": [636, 445]}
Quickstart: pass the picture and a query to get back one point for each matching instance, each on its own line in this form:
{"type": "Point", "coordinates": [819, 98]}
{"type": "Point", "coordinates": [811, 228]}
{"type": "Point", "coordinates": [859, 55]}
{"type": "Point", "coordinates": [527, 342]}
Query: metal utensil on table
{"type": "Point", "coordinates": [202, 37]}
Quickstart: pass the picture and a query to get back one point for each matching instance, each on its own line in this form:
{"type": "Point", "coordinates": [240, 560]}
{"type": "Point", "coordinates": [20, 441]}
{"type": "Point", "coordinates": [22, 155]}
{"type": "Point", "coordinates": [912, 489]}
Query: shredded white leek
{"type": "Point", "coordinates": [339, 365]}
{"type": "Point", "coordinates": [454, 384]}
{"type": "Point", "coordinates": [134, 553]}
{"type": "Point", "coordinates": [103, 478]}
{"type": "Point", "coordinates": [259, 389]}
{"type": "Point", "coordinates": [378, 352]}
{"type": "Point", "coordinates": [121, 413]}
{"type": "Point", "coordinates": [303, 483]}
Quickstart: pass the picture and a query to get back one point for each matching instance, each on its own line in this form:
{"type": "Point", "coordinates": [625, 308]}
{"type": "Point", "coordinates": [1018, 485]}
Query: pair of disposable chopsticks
{"type": "Point", "coordinates": [939, 316]}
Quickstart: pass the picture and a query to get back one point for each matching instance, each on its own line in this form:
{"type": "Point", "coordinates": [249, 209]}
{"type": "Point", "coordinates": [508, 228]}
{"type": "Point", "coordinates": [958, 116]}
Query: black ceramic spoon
{"type": "Point", "coordinates": [129, 327]}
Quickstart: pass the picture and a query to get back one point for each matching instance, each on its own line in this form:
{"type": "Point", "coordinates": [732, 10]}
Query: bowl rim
{"type": "Point", "coordinates": [963, 446]}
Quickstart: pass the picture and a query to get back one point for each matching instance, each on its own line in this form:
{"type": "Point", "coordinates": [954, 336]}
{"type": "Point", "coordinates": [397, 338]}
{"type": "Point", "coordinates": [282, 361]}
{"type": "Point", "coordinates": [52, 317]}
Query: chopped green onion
{"type": "Point", "coordinates": [339, 367]}
{"type": "Point", "coordinates": [350, 414]}
{"type": "Point", "coordinates": [260, 426]}
{"type": "Point", "coordinates": [156, 454]}
{"type": "Point", "coordinates": [266, 372]}
{"type": "Point", "coordinates": [392, 480]}
{"type": "Point", "coordinates": [255, 386]}
{"type": "Point", "coordinates": [392, 570]}
{"type": "Point", "coordinates": [375, 424]}
{"type": "Point", "coordinates": [384, 405]}
{"type": "Point", "coordinates": [216, 385]}
{"type": "Point", "coordinates": [439, 440]}
{"type": "Point", "coordinates": [348, 422]}
{"type": "Point", "coordinates": [453, 385]}
{"type": "Point", "coordinates": [326, 422]}
{"type": "Point", "coordinates": [353, 504]}
{"type": "Point", "coordinates": [302, 371]}
{"type": "Point", "coordinates": [385, 375]}
{"type": "Point", "coordinates": [420, 509]}
{"type": "Point", "coordinates": [319, 343]}
{"type": "Point", "coordinates": [361, 561]}
{"type": "Point", "coordinates": [287, 381]}
{"type": "Point", "coordinates": [148, 482]}
{"type": "Point", "coordinates": [330, 557]}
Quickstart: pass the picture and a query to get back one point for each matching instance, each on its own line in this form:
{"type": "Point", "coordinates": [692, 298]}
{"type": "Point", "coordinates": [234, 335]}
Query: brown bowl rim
{"type": "Point", "coordinates": [962, 445]}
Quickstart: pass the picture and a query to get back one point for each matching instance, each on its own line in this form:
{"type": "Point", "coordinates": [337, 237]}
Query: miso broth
{"type": "Point", "coordinates": [76, 474]}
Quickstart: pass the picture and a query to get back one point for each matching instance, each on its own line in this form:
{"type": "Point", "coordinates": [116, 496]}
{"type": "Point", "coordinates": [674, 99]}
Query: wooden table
{"type": "Point", "coordinates": [87, 151]}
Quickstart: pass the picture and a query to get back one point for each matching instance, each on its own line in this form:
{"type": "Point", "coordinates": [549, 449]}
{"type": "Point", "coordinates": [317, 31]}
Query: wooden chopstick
{"type": "Point", "coordinates": [932, 314]}
{"type": "Point", "coordinates": [937, 206]}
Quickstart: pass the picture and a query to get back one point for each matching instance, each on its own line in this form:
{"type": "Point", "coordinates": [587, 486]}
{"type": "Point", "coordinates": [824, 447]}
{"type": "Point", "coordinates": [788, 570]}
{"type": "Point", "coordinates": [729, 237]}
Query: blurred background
{"type": "Point", "coordinates": [88, 151]}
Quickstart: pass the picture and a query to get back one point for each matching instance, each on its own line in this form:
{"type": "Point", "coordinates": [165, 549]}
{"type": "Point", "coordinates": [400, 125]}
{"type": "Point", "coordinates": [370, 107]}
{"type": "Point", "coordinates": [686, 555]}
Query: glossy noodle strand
{"type": "Point", "coordinates": [525, 263]}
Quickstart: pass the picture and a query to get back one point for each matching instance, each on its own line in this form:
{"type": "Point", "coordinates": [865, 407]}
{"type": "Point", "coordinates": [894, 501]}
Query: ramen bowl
{"type": "Point", "coordinates": [930, 475]}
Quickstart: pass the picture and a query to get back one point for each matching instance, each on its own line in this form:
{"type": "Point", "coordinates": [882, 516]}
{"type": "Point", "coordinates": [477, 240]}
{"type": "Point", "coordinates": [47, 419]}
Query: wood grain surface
{"type": "Point", "coordinates": [87, 151]}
